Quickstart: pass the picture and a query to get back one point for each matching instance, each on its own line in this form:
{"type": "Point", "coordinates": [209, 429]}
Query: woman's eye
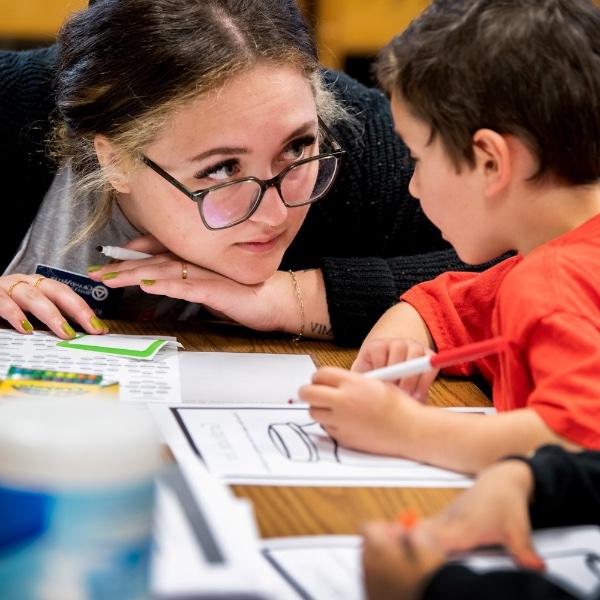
{"type": "Point", "coordinates": [299, 148]}
{"type": "Point", "coordinates": [220, 172]}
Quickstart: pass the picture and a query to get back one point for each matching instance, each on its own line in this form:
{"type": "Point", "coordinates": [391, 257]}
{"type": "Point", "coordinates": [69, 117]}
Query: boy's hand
{"type": "Point", "coordinates": [397, 563]}
{"type": "Point", "coordinates": [378, 353]}
{"type": "Point", "coordinates": [364, 414]}
{"type": "Point", "coordinates": [493, 511]}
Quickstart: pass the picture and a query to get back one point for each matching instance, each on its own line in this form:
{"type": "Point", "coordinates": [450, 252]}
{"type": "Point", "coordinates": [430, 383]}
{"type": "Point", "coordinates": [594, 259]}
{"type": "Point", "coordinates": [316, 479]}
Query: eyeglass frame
{"type": "Point", "coordinates": [198, 196]}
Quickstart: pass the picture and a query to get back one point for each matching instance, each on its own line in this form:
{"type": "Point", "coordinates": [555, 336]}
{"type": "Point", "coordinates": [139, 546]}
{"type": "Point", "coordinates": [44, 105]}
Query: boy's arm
{"type": "Point", "coordinates": [374, 416]}
{"type": "Point", "coordinates": [404, 321]}
{"type": "Point", "coordinates": [452, 310]}
{"type": "Point", "coordinates": [470, 442]}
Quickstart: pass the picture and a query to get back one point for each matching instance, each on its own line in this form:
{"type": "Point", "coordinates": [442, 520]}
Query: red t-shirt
{"type": "Point", "coordinates": [547, 305]}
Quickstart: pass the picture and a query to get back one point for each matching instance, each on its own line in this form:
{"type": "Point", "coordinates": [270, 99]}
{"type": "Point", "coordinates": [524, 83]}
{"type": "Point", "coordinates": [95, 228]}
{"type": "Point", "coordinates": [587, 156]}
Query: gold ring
{"type": "Point", "coordinates": [14, 285]}
{"type": "Point", "coordinates": [184, 269]}
{"type": "Point", "coordinates": [38, 281]}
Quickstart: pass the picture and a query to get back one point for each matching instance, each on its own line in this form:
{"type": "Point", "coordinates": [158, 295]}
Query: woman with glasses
{"type": "Point", "coordinates": [266, 190]}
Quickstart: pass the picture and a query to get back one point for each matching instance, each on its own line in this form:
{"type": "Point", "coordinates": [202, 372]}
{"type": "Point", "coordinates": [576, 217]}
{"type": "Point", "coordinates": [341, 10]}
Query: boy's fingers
{"type": "Point", "coordinates": [332, 376]}
{"type": "Point", "coordinates": [318, 396]}
{"type": "Point", "coordinates": [377, 534]}
{"type": "Point", "coordinates": [529, 559]}
{"type": "Point", "coordinates": [422, 390]}
{"type": "Point", "coordinates": [521, 548]}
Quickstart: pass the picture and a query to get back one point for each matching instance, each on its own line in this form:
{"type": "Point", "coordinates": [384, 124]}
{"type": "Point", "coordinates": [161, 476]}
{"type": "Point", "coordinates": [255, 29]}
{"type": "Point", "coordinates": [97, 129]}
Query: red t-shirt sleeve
{"type": "Point", "coordinates": [457, 308]}
{"type": "Point", "coordinates": [563, 353]}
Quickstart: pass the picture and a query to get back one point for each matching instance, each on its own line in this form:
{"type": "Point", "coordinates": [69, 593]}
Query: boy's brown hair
{"type": "Point", "coordinates": [529, 68]}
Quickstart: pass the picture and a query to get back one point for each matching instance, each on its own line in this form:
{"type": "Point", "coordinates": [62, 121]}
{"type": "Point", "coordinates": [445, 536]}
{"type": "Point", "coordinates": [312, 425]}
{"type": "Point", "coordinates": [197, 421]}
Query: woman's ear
{"type": "Point", "coordinates": [493, 158]}
{"type": "Point", "coordinates": [112, 163]}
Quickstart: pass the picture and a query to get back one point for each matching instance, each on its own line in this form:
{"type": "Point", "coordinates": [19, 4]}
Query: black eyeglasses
{"type": "Point", "coordinates": [302, 182]}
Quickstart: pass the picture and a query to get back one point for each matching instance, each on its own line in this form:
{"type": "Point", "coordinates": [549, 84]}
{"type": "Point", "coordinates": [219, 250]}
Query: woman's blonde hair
{"type": "Point", "coordinates": [126, 65]}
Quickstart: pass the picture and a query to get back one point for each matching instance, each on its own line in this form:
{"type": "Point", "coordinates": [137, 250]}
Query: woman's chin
{"type": "Point", "coordinates": [253, 278]}
{"type": "Point", "coordinates": [248, 276]}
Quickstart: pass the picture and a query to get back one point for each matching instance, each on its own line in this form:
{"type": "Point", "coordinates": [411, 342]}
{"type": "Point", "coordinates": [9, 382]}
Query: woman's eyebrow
{"type": "Point", "coordinates": [220, 150]}
{"type": "Point", "coordinates": [307, 127]}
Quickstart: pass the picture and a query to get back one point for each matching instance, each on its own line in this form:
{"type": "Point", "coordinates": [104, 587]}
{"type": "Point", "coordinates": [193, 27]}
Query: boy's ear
{"type": "Point", "coordinates": [493, 158]}
{"type": "Point", "coordinates": [109, 160]}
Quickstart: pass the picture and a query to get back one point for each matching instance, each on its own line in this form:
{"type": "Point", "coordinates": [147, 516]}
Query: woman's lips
{"type": "Point", "coordinates": [260, 246]}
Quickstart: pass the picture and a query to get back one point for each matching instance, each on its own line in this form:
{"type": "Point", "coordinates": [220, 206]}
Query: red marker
{"type": "Point", "coordinates": [445, 358]}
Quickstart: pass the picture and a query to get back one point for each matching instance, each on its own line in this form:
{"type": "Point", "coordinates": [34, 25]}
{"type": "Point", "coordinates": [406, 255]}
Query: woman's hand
{"type": "Point", "coordinates": [397, 563]}
{"type": "Point", "coordinates": [494, 511]}
{"type": "Point", "coordinates": [378, 353]}
{"type": "Point", "coordinates": [255, 306]}
{"type": "Point", "coordinates": [272, 305]}
{"type": "Point", "coordinates": [47, 300]}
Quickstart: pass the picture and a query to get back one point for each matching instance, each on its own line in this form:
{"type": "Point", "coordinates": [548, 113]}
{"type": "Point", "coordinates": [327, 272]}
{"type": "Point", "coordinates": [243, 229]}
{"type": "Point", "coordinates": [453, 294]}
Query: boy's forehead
{"type": "Point", "coordinates": [409, 127]}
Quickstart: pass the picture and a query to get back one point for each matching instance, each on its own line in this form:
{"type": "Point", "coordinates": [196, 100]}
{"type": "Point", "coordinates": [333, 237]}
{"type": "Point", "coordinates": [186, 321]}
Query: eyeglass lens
{"type": "Point", "coordinates": [302, 184]}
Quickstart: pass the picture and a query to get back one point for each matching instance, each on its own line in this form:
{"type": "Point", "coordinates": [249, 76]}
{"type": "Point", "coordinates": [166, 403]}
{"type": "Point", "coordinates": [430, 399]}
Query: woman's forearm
{"type": "Point", "coordinates": [308, 312]}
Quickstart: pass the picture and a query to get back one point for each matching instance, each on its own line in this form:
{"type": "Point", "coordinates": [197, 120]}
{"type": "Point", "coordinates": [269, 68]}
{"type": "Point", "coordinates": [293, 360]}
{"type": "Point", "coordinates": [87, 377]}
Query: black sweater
{"type": "Point", "coordinates": [368, 235]}
{"type": "Point", "coordinates": [567, 492]}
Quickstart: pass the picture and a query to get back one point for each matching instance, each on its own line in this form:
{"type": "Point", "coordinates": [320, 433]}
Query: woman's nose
{"type": "Point", "coordinates": [271, 210]}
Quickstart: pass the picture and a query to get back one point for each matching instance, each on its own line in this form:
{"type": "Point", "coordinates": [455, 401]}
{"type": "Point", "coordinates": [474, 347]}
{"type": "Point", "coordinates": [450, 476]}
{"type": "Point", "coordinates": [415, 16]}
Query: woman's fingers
{"type": "Point", "coordinates": [11, 311]}
{"type": "Point", "coordinates": [136, 272]}
{"type": "Point", "coordinates": [110, 271]}
{"type": "Point", "coordinates": [45, 298]}
{"type": "Point", "coordinates": [70, 303]}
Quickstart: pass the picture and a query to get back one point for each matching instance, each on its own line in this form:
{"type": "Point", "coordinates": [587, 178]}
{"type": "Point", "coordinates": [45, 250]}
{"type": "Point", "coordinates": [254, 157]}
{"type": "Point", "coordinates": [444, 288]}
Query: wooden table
{"type": "Point", "coordinates": [284, 511]}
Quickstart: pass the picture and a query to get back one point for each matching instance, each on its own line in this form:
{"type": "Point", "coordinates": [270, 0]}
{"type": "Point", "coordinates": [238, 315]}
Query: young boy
{"type": "Point", "coordinates": [499, 103]}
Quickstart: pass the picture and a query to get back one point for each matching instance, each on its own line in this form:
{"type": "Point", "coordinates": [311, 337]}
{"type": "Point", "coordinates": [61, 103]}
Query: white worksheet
{"type": "Point", "coordinates": [328, 567]}
{"type": "Point", "coordinates": [205, 540]}
{"type": "Point", "coordinates": [241, 377]}
{"type": "Point", "coordinates": [324, 567]}
{"type": "Point", "coordinates": [283, 445]}
{"type": "Point", "coordinates": [139, 381]}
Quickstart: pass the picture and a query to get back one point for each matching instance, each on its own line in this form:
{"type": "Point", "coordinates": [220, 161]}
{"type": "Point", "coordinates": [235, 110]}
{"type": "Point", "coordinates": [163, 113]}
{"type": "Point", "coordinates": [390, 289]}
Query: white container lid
{"type": "Point", "coordinates": [47, 443]}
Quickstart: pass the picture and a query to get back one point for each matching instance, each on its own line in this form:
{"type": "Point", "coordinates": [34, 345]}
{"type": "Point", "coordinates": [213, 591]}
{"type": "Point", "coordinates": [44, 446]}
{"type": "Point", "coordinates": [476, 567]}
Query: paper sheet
{"type": "Point", "coordinates": [154, 381]}
{"type": "Point", "coordinates": [206, 544]}
{"type": "Point", "coordinates": [316, 567]}
{"type": "Point", "coordinates": [328, 567]}
{"type": "Point", "coordinates": [268, 445]}
{"type": "Point", "coordinates": [215, 377]}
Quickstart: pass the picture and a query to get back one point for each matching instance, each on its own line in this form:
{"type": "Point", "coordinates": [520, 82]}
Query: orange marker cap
{"type": "Point", "coordinates": [407, 518]}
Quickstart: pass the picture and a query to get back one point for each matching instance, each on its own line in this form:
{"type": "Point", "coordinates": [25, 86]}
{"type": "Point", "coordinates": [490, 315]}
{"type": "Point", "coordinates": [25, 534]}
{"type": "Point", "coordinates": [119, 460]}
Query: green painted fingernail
{"type": "Point", "coordinates": [26, 325]}
{"type": "Point", "coordinates": [148, 281]}
{"type": "Point", "coordinates": [111, 275]}
{"type": "Point", "coordinates": [68, 329]}
{"type": "Point", "coordinates": [98, 324]}
{"type": "Point", "coordinates": [93, 268]}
